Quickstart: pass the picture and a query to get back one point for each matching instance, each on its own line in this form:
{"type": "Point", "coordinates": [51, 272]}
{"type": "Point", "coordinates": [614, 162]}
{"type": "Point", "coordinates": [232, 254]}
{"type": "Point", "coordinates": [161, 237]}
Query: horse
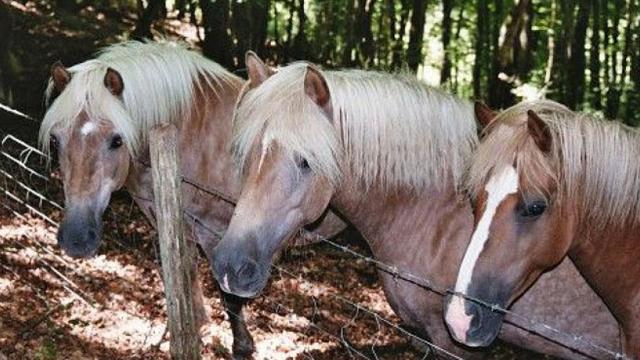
{"type": "Point", "coordinates": [386, 153]}
{"type": "Point", "coordinates": [548, 183]}
{"type": "Point", "coordinates": [99, 116]}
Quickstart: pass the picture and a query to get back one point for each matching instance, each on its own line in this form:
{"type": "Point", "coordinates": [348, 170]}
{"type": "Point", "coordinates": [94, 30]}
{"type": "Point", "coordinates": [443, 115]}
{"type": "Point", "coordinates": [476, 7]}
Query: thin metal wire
{"type": "Point", "coordinates": [17, 113]}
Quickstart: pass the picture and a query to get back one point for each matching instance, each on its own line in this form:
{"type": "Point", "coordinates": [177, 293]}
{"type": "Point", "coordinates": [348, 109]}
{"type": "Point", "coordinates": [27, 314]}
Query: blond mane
{"type": "Point", "coordinates": [387, 130]}
{"type": "Point", "coordinates": [160, 79]}
{"type": "Point", "coordinates": [592, 161]}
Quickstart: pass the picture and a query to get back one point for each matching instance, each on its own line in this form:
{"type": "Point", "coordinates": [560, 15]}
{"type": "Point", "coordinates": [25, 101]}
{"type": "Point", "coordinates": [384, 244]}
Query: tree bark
{"type": "Point", "coordinates": [300, 50]}
{"type": "Point", "coordinates": [482, 11]}
{"type": "Point", "coordinates": [613, 91]}
{"type": "Point", "coordinates": [350, 41]}
{"type": "Point", "coordinates": [456, 37]}
{"type": "Point", "coordinates": [289, 43]}
{"type": "Point", "coordinates": [627, 57]}
{"type": "Point", "coordinates": [445, 72]}
{"type": "Point", "coordinates": [633, 102]}
{"type": "Point", "coordinates": [594, 56]}
{"type": "Point", "coordinates": [259, 25]}
{"type": "Point", "coordinates": [174, 252]}
{"type": "Point", "coordinates": [563, 38]}
{"type": "Point", "coordinates": [366, 49]}
{"type": "Point", "coordinates": [217, 41]}
{"type": "Point", "coordinates": [416, 34]}
{"type": "Point", "coordinates": [398, 45]}
{"type": "Point", "coordinates": [8, 62]}
{"type": "Point", "coordinates": [155, 9]}
{"type": "Point", "coordinates": [577, 61]}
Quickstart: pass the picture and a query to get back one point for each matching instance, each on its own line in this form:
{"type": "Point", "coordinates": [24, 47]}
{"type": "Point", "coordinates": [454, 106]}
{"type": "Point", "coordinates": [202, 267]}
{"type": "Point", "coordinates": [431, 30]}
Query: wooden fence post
{"type": "Point", "coordinates": [174, 252]}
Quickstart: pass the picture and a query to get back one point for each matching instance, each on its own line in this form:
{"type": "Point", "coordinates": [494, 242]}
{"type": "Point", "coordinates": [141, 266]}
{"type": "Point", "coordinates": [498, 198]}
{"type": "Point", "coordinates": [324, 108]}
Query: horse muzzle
{"type": "Point", "coordinates": [79, 234]}
{"type": "Point", "coordinates": [238, 274]}
{"type": "Point", "coordinates": [472, 324]}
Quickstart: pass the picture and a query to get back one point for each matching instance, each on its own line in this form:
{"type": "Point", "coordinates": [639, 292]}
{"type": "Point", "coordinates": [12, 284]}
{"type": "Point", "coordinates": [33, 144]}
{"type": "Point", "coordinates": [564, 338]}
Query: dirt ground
{"type": "Point", "coordinates": [112, 306]}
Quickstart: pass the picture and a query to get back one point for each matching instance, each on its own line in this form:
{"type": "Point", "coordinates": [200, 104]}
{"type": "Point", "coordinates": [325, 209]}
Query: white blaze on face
{"type": "Point", "coordinates": [503, 183]}
{"type": "Point", "coordinates": [88, 128]}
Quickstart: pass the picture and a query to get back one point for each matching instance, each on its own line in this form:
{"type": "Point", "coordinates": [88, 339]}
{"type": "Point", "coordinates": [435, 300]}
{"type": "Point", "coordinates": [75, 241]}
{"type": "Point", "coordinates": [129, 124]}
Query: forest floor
{"type": "Point", "coordinates": [112, 306]}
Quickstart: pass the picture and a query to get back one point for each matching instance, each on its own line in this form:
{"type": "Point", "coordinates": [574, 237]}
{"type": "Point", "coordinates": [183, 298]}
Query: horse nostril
{"type": "Point", "coordinates": [247, 270]}
{"type": "Point", "coordinates": [92, 235]}
{"type": "Point", "coordinates": [476, 318]}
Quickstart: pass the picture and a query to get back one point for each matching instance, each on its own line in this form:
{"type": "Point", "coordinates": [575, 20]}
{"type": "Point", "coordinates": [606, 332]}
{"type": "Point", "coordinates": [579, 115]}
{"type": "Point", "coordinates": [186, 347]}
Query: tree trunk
{"type": "Point", "coordinates": [398, 46]}
{"type": "Point", "coordinates": [348, 58]}
{"type": "Point", "coordinates": [605, 48]}
{"type": "Point", "coordinates": [154, 10]}
{"type": "Point", "coordinates": [250, 26]}
{"type": "Point", "coordinates": [366, 48]}
{"type": "Point", "coordinates": [577, 60]}
{"type": "Point", "coordinates": [289, 43]}
{"type": "Point", "coordinates": [241, 28]}
{"type": "Point", "coordinates": [259, 25]}
{"type": "Point", "coordinates": [633, 101]}
{"type": "Point", "coordinates": [627, 56]}
{"type": "Point", "coordinates": [217, 42]}
{"type": "Point", "coordinates": [300, 49]}
{"type": "Point", "coordinates": [481, 41]}
{"type": "Point", "coordinates": [416, 34]}
{"type": "Point", "coordinates": [456, 37]}
{"type": "Point", "coordinates": [563, 38]}
{"type": "Point", "coordinates": [594, 57]}
{"type": "Point", "coordinates": [390, 7]}
{"type": "Point", "coordinates": [8, 71]}
{"type": "Point", "coordinates": [613, 92]}
{"type": "Point", "coordinates": [445, 72]}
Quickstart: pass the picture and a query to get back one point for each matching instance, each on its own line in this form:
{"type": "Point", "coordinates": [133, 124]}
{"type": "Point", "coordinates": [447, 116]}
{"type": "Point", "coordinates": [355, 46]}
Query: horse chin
{"type": "Point", "coordinates": [487, 331]}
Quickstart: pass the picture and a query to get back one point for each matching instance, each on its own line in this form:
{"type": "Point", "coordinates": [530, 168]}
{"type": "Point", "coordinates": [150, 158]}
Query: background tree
{"type": "Point", "coordinates": [583, 53]}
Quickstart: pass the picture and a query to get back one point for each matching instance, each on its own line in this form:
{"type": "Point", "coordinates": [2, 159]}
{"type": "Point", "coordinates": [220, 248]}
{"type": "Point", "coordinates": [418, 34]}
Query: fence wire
{"type": "Point", "coordinates": [20, 181]}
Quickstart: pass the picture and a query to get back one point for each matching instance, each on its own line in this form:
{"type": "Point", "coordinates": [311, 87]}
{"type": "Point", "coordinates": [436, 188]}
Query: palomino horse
{"type": "Point", "coordinates": [547, 183]}
{"type": "Point", "coordinates": [100, 114]}
{"type": "Point", "coordinates": [385, 152]}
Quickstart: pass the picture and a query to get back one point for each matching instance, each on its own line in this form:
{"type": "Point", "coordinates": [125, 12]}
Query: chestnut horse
{"type": "Point", "coordinates": [386, 152]}
{"type": "Point", "coordinates": [547, 183]}
{"type": "Point", "coordinates": [100, 114]}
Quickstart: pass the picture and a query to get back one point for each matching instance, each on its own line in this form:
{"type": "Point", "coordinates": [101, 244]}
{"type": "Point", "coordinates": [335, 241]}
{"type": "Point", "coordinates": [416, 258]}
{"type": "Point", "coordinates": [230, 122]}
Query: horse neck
{"type": "Point", "coordinates": [205, 136]}
{"type": "Point", "coordinates": [608, 259]}
{"type": "Point", "coordinates": [204, 150]}
{"type": "Point", "coordinates": [426, 232]}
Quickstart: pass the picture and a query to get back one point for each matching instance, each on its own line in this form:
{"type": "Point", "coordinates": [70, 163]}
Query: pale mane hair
{"type": "Point", "coordinates": [387, 130]}
{"type": "Point", "coordinates": [593, 162]}
{"type": "Point", "coordinates": [160, 82]}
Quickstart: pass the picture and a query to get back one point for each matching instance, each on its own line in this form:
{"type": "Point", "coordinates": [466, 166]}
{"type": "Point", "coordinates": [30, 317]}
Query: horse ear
{"type": "Point", "coordinates": [484, 113]}
{"type": "Point", "coordinates": [113, 82]}
{"type": "Point", "coordinates": [316, 88]}
{"type": "Point", "coordinates": [539, 131]}
{"type": "Point", "coordinates": [258, 71]}
{"type": "Point", "coordinates": [60, 76]}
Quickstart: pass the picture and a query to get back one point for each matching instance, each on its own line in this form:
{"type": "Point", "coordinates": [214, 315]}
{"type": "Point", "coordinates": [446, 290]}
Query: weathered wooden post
{"type": "Point", "coordinates": [174, 252]}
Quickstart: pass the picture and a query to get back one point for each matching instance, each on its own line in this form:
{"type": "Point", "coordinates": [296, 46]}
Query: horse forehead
{"type": "Point", "coordinates": [503, 182]}
{"type": "Point", "coordinates": [88, 127]}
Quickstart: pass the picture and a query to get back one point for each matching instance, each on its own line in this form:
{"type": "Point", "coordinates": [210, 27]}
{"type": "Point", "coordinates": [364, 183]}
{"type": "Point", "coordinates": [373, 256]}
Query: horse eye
{"type": "Point", "coordinates": [534, 209]}
{"type": "Point", "coordinates": [116, 142]}
{"type": "Point", "coordinates": [302, 163]}
{"type": "Point", "coordinates": [53, 142]}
